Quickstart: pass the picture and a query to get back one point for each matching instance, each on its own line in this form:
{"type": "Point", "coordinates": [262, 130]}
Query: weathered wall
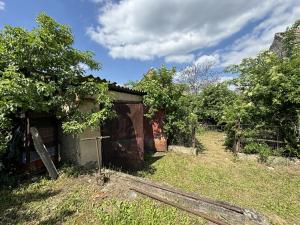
{"type": "Point", "coordinates": [83, 152]}
{"type": "Point", "coordinates": [120, 96]}
{"type": "Point", "coordinates": [155, 139]}
{"type": "Point", "coordinates": [125, 147]}
{"type": "Point", "coordinates": [77, 150]}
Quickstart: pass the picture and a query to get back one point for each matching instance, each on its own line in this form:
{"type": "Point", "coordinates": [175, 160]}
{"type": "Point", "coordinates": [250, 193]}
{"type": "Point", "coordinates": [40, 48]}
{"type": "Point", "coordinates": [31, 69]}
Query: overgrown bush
{"type": "Point", "coordinates": [41, 71]}
{"type": "Point", "coordinates": [212, 101]}
{"type": "Point", "coordinates": [251, 148]}
{"type": "Point", "coordinates": [268, 92]}
{"type": "Point", "coordinates": [262, 149]}
{"type": "Point", "coordinates": [264, 152]}
{"type": "Point", "coordinates": [163, 95]}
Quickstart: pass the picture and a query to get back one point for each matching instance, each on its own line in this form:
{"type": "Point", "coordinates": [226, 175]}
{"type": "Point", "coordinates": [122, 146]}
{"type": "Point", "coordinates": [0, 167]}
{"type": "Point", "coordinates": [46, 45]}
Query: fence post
{"type": "Point", "coordinates": [194, 137]}
{"type": "Point", "coordinates": [277, 143]}
{"type": "Point", "coordinates": [237, 141]}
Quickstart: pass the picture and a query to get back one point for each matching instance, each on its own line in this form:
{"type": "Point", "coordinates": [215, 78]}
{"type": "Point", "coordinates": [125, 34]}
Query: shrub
{"type": "Point", "coordinates": [264, 152]}
{"type": "Point", "coordinates": [251, 148]}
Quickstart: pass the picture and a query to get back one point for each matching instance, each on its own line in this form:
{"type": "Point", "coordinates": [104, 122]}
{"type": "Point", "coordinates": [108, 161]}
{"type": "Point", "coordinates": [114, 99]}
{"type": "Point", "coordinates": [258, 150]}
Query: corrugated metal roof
{"type": "Point", "coordinates": [115, 87]}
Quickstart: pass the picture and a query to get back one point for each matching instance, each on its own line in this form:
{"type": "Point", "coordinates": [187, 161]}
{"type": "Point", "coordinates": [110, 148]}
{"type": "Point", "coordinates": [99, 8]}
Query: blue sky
{"type": "Point", "coordinates": [130, 36]}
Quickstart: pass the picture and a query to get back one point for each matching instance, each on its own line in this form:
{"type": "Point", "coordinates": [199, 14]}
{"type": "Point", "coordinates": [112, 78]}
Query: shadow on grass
{"type": "Point", "coordinates": [13, 207]}
{"type": "Point", "coordinates": [72, 170]}
{"type": "Point", "coordinates": [58, 218]}
{"type": "Point", "coordinates": [149, 159]}
{"type": "Point", "coordinates": [199, 146]}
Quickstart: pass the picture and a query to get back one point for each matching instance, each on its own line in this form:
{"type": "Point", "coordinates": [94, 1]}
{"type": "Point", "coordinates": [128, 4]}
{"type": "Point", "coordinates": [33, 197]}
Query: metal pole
{"type": "Point", "coordinates": [98, 156]}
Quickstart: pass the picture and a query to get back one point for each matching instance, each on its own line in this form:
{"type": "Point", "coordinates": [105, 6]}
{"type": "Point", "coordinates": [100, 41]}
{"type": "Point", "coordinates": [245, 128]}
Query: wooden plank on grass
{"type": "Point", "coordinates": [43, 153]}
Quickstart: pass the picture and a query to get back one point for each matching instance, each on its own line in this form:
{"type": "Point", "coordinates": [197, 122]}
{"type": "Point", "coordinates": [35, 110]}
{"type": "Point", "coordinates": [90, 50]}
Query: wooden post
{"type": "Point", "coordinates": [277, 143]}
{"type": "Point", "coordinates": [99, 155]}
{"type": "Point", "coordinates": [194, 137]}
{"type": "Point", "coordinates": [237, 142]}
{"type": "Point", "coordinates": [43, 153]}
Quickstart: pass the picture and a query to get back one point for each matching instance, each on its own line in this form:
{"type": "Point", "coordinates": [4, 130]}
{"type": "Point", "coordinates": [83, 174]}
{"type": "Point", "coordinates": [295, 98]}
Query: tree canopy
{"type": "Point", "coordinates": [212, 101]}
{"type": "Point", "coordinates": [198, 76]}
{"type": "Point", "coordinates": [166, 96]}
{"type": "Point", "coordinates": [269, 91]}
{"type": "Point", "coordinates": [41, 71]}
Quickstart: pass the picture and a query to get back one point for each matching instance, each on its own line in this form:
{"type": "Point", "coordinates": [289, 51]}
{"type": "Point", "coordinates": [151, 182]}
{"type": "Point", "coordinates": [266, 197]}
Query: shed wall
{"type": "Point", "coordinates": [75, 149]}
{"type": "Point", "coordinates": [120, 96]}
{"type": "Point", "coordinates": [125, 147]}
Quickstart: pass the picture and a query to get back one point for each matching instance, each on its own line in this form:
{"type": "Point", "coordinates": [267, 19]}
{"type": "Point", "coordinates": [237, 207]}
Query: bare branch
{"type": "Point", "coordinates": [198, 76]}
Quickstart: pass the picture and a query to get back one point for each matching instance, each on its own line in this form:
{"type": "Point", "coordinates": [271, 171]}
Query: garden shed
{"type": "Point", "coordinates": [124, 146]}
{"type": "Point", "coordinates": [28, 158]}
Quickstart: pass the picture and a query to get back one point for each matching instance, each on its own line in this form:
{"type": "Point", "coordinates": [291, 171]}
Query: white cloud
{"type": "Point", "coordinates": [226, 78]}
{"type": "Point", "coordinates": [84, 66]}
{"type": "Point", "coordinates": [180, 58]}
{"type": "Point", "coordinates": [262, 36]}
{"type": "Point", "coordinates": [100, 1]}
{"type": "Point", "coordinates": [143, 29]}
{"type": "Point", "coordinates": [173, 29]}
{"type": "Point", "coordinates": [2, 5]}
{"type": "Point", "coordinates": [207, 58]}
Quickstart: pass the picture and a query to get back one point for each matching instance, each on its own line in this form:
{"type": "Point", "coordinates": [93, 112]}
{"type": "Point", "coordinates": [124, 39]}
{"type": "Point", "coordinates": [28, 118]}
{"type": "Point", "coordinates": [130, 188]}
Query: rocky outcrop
{"type": "Point", "coordinates": [277, 44]}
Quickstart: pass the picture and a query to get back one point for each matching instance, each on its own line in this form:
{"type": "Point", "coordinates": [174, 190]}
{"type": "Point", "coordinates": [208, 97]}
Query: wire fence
{"type": "Point", "coordinates": [210, 127]}
{"type": "Point", "coordinates": [249, 133]}
{"type": "Point", "coordinates": [269, 135]}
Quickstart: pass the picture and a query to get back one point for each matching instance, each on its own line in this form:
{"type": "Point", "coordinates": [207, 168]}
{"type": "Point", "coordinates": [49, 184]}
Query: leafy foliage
{"type": "Point", "coordinates": [166, 96]}
{"type": "Point", "coordinates": [251, 148]}
{"type": "Point", "coordinates": [262, 149]}
{"type": "Point", "coordinates": [269, 92]}
{"type": "Point", "coordinates": [212, 101]}
{"type": "Point", "coordinates": [40, 71]}
{"type": "Point", "coordinates": [264, 152]}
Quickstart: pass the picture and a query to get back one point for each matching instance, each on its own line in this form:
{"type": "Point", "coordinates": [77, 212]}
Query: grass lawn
{"type": "Point", "coordinates": [214, 173]}
{"type": "Point", "coordinates": [271, 190]}
{"type": "Point", "coordinates": [71, 200]}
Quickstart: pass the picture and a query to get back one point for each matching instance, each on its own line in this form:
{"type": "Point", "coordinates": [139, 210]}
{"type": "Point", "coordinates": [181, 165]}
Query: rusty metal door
{"type": "Point", "coordinates": [125, 147]}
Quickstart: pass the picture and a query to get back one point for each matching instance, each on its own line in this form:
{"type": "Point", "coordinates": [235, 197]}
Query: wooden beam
{"type": "Point", "coordinates": [43, 153]}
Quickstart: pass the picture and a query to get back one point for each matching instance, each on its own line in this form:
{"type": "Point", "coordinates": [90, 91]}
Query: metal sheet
{"type": "Point", "coordinates": [155, 139]}
{"type": "Point", "coordinates": [125, 147]}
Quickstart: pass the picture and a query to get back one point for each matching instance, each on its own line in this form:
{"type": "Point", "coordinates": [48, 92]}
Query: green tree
{"type": "Point", "coordinates": [166, 96]}
{"type": "Point", "coordinates": [212, 102]}
{"type": "Point", "coordinates": [40, 71]}
{"type": "Point", "coordinates": [269, 91]}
